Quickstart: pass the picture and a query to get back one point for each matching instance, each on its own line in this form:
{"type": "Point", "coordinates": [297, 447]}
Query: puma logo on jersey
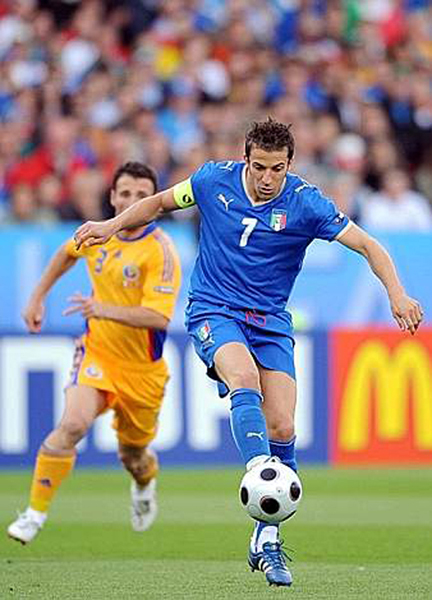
{"type": "Point", "coordinates": [301, 187]}
{"type": "Point", "coordinates": [224, 201]}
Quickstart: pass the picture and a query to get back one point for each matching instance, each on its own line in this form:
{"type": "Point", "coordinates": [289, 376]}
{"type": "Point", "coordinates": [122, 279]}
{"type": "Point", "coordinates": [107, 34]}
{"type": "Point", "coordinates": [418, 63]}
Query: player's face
{"type": "Point", "coordinates": [129, 190]}
{"type": "Point", "coordinates": [265, 173]}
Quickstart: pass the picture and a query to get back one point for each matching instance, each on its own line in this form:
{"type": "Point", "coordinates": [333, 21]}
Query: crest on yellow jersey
{"type": "Point", "coordinates": [131, 275]}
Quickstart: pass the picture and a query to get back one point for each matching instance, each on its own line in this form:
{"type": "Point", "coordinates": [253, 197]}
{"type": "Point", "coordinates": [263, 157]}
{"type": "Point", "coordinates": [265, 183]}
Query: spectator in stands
{"type": "Point", "coordinates": [85, 85]}
{"type": "Point", "coordinates": [396, 207]}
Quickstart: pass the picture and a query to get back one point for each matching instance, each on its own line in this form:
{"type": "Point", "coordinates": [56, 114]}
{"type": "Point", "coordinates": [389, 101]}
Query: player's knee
{"type": "Point", "coordinates": [281, 430]}
{"type": "Point", "coordinates": [244, 378]}
{"type": "Point", "coordinates": [72, 431]}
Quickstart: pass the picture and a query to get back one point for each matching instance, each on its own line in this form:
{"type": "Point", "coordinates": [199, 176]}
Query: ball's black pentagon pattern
{"type": "Point", "coordinates": [270, 493]}
{"type": "Point", "coordinates": [269, 505]}
{"type": "Point", "coordinates": [295, 491]}
{"type": "Point", "coordinates": [244, 496]}
{"type": "Point", "coordinates": [268, 474]}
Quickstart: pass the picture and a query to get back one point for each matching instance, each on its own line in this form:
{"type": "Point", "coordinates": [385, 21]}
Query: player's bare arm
{"type": "Point", "coordinates": [34, 312]}
{"type": "Point", "coordinates": [142, 212]}
{"type": "Point", "coordinates": [134, 316]}
{"type": "Point", "coordinates": [407, 311]}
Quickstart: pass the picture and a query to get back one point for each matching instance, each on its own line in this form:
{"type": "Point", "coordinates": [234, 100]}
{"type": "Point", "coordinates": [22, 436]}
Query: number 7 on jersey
{"type": "Point", "coordinates": [250, 226]}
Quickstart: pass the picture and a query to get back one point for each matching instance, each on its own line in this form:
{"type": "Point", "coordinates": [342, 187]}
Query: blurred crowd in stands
{"type": "Point", "coordinates": [87, 85]}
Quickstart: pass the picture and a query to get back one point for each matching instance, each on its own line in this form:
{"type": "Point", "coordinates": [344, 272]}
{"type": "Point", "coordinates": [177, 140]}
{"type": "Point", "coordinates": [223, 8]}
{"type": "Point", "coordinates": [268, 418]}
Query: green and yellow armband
{"type": "Point", "coordinates": [183, 194]}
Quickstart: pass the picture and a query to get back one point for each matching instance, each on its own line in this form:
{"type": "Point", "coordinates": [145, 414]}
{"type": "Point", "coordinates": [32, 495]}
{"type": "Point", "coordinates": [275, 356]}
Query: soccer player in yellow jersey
{"type": "Point", "coordinates": [118, 362]}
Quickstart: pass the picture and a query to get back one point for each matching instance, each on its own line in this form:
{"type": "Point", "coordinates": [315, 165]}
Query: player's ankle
{"type": "Point", "coordinates": [37, 515]}
{"type": "Point", "coordinates": [143, 485]}
{"type": "Point", "coordinates": [57, 450]}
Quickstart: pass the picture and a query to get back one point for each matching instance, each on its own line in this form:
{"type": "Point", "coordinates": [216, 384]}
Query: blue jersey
{"type": "Point", "coordinates": [250, 255]}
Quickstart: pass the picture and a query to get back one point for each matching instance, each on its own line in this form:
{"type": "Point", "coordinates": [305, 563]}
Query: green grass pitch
{"type": "Point", "coordinates": [358, 534]}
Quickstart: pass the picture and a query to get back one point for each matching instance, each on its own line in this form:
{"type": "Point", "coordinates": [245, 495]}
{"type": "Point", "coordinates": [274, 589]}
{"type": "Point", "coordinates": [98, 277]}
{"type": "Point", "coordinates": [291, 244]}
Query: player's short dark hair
{"type": "Point", "coordinates": [270, 136]}
{"type": "Point", "coordinates": [136, 170]}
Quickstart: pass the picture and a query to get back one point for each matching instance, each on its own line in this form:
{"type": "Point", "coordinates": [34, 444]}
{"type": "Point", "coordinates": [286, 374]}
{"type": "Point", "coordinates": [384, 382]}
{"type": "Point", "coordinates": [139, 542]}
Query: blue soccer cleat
{"type": "Point", "coordinates": [271, 561]}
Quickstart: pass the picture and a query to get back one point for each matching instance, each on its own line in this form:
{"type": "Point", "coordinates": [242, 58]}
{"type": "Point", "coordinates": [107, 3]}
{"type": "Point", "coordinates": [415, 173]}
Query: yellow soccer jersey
{"type": "Point", "coordinates": [140, 271]}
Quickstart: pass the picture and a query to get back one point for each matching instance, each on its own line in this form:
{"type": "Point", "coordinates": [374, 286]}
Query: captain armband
{"type": "Point", "coordinates": [183, 194]}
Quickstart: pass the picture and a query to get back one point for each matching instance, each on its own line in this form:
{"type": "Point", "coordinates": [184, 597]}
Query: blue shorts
{"type": "Point", "coordinates": [269, 338]}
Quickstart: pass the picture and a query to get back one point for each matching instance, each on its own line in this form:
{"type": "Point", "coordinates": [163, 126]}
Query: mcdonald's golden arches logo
{"type": "Point", "coordinates": [382, 404]}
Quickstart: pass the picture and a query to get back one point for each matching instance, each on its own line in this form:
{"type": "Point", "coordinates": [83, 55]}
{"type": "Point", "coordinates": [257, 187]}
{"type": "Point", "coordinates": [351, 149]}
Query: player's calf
{"type": "Point", "coordinates": [248, 424]}
{"type": "Point", "coordinates": [141, 462]}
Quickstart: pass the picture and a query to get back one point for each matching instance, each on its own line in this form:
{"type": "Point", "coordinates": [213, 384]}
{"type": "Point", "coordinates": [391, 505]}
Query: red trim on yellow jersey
{"type": "Point", "coordinates": [168, 267]}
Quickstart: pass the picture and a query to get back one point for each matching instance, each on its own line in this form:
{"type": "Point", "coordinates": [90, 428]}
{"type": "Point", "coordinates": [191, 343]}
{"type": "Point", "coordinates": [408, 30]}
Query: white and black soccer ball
{"type": "Point", "coordinates": [270, 492]}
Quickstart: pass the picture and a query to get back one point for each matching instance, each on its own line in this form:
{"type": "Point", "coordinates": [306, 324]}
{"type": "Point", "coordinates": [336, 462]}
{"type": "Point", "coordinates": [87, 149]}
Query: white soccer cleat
{"type": "Point", "coordinates": [26, 527]}
{"type": "Point", "coordinates": [143, 506]}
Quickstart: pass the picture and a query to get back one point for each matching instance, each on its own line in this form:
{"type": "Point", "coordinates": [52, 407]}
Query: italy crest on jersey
{"type": "Point", "coordinates": [205, 335]}
{"type": "Point", "coordinates": [278, 219]}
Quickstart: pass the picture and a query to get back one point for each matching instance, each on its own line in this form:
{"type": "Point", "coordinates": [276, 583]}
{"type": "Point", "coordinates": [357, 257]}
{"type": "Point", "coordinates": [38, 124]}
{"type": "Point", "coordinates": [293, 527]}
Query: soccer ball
{"type": "Point", "coordinates": [270, 492]}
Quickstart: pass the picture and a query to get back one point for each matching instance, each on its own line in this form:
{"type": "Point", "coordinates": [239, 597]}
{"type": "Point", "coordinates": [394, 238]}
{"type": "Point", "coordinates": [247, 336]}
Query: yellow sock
{"type": "Point", "coordinates": [48, 474]}
{"type": "Point", "coordinates": [152, 469]}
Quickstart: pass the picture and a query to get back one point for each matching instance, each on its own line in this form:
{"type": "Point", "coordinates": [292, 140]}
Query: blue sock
{"type": "Point", "coordinates": [248, 424]}
{"type": "Point", "coordinates": [285, 451]}
{"type": "Point", "coordinates": [262, 533]}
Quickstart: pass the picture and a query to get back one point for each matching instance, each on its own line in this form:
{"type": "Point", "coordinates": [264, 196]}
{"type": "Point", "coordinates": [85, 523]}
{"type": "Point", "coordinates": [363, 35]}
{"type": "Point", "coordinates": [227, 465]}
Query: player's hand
{"type": "Point", "coordinates": [33, 315]}
{"type": "Point", "coordinates": [94, 232]}
{"type": "Point", "coordinates": [407, 312]}
{"type": "Point", "coordinates": [87, 306]}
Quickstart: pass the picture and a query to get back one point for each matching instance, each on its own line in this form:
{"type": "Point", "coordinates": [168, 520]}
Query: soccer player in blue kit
{"type": "Point", "coordinates": [257, 219]}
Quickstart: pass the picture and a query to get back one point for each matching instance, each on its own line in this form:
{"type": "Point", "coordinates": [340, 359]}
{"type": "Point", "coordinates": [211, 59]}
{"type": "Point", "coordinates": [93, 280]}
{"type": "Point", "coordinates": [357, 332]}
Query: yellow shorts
{"type": "Point", "coordinates": [134, 392]}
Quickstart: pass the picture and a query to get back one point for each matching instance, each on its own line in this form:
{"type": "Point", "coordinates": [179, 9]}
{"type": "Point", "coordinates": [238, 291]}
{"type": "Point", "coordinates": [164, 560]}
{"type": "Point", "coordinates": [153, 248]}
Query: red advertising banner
{"type": "Point", "coordinates": [380, 397]}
